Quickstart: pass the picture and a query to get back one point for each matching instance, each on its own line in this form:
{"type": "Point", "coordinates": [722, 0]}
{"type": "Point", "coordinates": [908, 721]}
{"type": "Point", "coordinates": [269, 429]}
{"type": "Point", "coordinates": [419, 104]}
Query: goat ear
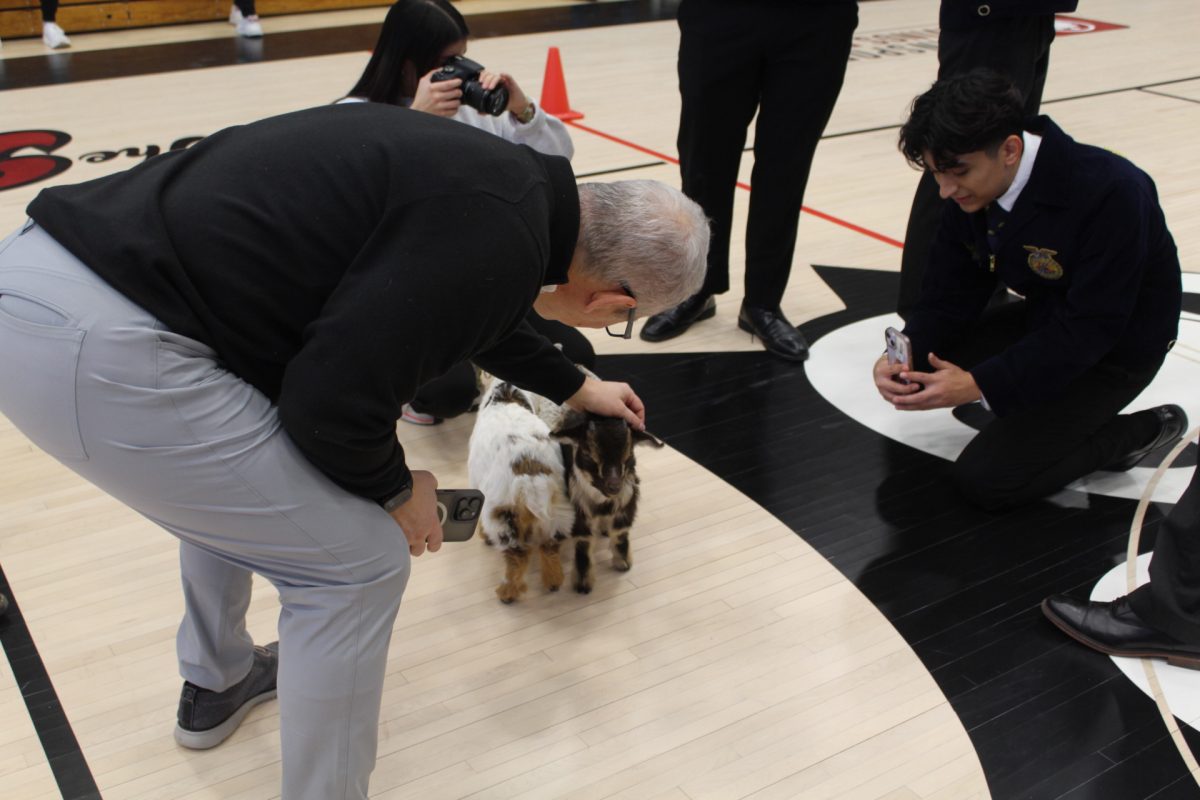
{"type": "Point", "coordinates": [645, 437]}
{"type": "Point", "coordinates": [572, 427]}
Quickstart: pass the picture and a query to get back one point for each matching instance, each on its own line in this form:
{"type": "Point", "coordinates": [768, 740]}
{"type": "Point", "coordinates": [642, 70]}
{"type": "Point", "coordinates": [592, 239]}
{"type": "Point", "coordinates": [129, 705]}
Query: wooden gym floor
{"type": "Point", "coordinates": [811, 613]}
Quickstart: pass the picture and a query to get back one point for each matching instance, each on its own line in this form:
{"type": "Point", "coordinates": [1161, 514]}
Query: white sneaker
{"type": "Point", "coordinates": [235, 15]}
{"type": "Point", "coordinates": [249, 28]}
{"type": "Point", "coordinates": [53, 36]}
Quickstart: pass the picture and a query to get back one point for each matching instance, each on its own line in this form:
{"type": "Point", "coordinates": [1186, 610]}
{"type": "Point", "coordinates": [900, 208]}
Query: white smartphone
{"type": "Point", "coordinates": [458, 512]}
{"type": "Point", "coordinates": [899, 348]}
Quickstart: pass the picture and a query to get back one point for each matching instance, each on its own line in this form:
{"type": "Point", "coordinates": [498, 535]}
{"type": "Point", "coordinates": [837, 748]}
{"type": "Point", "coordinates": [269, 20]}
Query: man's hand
{"type": "Point", "coordinates": [610, 399]}
{"type": "Point", "coordinates": [441, 97]}
{"type": "Point", "coordinates": [418, 518]}
{"type": "Point", "coordinates": [947, 387]}
{"type": "Point", "coordinates": [887, 383]}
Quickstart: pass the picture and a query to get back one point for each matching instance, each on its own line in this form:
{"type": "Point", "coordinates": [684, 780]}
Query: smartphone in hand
{"type": "Point", "coordinates": [899, 349]}
{"type": "Point", "coordinates": [458, 512]}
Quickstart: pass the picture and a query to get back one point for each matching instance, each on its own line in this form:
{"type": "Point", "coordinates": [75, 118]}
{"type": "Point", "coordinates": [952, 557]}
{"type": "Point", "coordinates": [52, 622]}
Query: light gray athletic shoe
{"type": "Point", "coordinates": [207, 718]}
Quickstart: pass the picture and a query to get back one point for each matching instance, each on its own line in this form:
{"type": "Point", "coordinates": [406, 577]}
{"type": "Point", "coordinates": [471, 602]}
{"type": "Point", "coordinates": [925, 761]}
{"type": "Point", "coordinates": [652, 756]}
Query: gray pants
{"type": "Point", "coordinates": [152, 418]}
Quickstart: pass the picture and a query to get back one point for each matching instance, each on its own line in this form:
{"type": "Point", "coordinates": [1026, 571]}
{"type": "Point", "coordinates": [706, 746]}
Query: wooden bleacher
{"type": "Point", "coordinates": [22, 18]}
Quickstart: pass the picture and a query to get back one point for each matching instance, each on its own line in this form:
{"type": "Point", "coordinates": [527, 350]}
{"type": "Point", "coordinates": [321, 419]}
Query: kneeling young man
{"type": "Point", "coordinates": [1076, 236]}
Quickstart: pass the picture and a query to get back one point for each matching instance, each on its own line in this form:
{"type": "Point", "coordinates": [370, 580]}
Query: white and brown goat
{"type": "Point", "coordinates": [516, 463]}
{"type": "Point", "coordinates": [539, 491]}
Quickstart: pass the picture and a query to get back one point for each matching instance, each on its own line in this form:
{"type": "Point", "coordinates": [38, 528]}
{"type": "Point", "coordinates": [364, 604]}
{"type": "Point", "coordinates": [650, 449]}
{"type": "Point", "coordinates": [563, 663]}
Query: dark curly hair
{"type": "Point", "coordinates": [961, 114]}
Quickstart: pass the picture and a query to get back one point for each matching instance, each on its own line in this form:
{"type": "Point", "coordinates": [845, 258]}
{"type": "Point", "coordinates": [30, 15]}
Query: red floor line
{"type": "Point", "coordinates": [806, 209]}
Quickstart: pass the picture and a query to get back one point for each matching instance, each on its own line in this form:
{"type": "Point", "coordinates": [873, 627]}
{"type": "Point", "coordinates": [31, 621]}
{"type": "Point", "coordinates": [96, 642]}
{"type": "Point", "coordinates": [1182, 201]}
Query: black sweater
{"type": "Point", "coordinates": [337, 259]}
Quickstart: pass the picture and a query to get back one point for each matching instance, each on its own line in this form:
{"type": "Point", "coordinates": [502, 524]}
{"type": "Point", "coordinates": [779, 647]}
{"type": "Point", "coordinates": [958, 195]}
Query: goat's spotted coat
{"type": "Point", "coordinates": [517, 465]}
{"type": "Point", "coordinates": [539, 493]}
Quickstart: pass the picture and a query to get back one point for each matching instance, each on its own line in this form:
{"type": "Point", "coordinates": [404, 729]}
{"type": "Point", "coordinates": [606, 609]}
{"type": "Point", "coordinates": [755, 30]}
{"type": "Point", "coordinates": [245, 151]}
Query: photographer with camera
{"type": "Point", "coordinates": [419, 62]}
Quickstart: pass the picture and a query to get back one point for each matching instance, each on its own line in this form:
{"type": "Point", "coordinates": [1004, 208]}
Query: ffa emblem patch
{"type": "Point", "coordinates": [1041, 261]}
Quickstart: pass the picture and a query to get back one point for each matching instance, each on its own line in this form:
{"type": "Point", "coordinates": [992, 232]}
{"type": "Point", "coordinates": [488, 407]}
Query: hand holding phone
{"type": "Point", "coordinates": [899, 348]}
{"type": "Point", "coordinates": [458, 511]}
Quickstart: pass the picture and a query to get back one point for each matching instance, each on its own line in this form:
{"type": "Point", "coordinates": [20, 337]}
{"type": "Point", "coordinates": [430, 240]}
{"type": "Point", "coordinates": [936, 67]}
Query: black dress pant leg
{"type": "Point", "coordinates": [1171, 601]}
{"type": "Point", "coordinates": [1018, 47]}
{"type": "Point", "coordinates": [1032, 453]}
{"type": "Point", "coordinates": [805, 65]}
{"type": "Point", "coordinates": [720, 66]}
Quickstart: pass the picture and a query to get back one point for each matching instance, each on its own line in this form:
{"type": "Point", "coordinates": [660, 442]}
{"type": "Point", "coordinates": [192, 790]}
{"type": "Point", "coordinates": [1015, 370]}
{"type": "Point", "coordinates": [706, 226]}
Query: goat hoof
{"type": "Point", "coordinates": [622, 567]}
{"type": "Point", "coordinates": [508, 594]}
{"type": "Point", "coordinates": [583, 589]}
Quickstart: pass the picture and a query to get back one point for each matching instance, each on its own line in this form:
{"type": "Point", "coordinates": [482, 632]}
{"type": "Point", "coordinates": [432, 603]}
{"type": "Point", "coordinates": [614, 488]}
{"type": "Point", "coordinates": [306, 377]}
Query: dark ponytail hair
{"type": "Point", "coordinates": [415, 31]}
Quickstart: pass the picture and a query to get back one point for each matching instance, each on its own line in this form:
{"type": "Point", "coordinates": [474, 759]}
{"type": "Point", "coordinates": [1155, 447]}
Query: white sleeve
{"type": "Point", "coordinates": [543, 133]}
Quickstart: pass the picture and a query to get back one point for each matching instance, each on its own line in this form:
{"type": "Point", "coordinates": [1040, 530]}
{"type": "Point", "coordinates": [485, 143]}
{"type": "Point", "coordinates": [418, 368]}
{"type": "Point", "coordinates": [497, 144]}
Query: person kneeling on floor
{"type": "Point", "coordinates": [1077, 237]}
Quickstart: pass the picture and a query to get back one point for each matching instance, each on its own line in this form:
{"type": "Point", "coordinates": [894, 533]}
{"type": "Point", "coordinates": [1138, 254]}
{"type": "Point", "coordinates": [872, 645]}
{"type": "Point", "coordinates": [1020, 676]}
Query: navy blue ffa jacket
{"type": "Point", "coordinates": [1087, 246]}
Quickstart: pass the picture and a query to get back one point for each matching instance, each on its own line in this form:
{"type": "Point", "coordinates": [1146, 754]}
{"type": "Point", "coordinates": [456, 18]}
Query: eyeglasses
{"type": "Point", "coordinates": [628, 332]}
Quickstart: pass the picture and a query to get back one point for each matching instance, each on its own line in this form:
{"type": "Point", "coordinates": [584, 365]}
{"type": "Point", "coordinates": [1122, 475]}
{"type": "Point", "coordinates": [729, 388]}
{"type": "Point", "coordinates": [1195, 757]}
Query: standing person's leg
{"type": "Point", "coordinates": [806, 51]}
{"type": "Point", "coordinates": [806, 56]}
{"type": "Point", "coordinates": [719, 73]}
{"type": "Point", "coordinates": [1017, 47]}
{"type": "Point", "coordinates": [1171, 601]}
{"type": "Point", "coordinates": [53, 36]}
{"type": "Point", "coordinates": [245, 17]}
{"type": "Point", "coordinates": [215, 651]}
{"type": "Point", "coordinates": [1160, 619]}
{"type": "Point", "coordinates": [719, 68]}
{"type": "Point", "coordinates": [153, 419]}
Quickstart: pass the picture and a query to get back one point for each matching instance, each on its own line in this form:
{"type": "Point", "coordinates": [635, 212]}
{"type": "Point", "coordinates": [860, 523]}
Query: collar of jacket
{"type": "Point", "coordinates": [1049, 183]}
{"type": "Point", "coordinates": [564, 217]}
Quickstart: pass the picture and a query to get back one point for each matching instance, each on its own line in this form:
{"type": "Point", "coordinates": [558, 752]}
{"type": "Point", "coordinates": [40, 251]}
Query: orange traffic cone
{"type": "Point", "coordinates": [554, 89]}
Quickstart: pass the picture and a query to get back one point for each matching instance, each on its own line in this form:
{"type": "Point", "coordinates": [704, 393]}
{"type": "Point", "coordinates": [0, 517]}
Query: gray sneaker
{"type": "Point", "coordinates": [207, 718]}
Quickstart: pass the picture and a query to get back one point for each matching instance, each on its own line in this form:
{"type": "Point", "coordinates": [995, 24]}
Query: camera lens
{"type": "Point", "coordinates": [495, 101]}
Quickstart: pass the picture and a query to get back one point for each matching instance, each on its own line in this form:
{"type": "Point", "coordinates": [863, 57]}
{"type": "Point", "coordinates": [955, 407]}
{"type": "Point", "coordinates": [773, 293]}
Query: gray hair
{"type": "Point", "coordinates": [644, 234]}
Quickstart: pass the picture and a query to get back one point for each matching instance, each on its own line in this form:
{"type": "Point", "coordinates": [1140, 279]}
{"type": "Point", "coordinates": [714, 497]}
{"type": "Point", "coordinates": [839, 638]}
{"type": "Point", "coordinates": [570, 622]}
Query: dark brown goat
{"type": "Point", "coordinates": [603, 485]}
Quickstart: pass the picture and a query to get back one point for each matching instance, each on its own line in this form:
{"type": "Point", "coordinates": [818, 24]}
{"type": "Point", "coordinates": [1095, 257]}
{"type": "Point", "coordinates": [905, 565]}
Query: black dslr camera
{"type": "Point", "coordinates": [492, 101]}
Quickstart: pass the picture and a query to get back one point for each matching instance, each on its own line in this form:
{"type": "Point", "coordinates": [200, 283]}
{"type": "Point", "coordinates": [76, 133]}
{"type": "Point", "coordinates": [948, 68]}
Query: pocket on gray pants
{"type": "Point", "coordinates": [39, 359]}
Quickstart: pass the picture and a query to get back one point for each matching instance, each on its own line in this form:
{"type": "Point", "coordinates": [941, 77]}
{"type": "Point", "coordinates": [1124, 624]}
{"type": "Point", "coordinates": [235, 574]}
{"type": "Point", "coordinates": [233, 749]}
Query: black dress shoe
{"type": "Point", "coordinates": [674, 321]}
{"type": "Point", "coordinates": [1115, 629]}
{"type": "Point", "coordinates": [779, 336]}
{"type": "Point", "coordinates": [1172, 422]}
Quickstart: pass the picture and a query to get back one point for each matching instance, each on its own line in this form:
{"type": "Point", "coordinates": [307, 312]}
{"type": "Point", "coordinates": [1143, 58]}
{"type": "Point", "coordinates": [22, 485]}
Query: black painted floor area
{"type": "Point", "coordinates": [1048, 718]}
